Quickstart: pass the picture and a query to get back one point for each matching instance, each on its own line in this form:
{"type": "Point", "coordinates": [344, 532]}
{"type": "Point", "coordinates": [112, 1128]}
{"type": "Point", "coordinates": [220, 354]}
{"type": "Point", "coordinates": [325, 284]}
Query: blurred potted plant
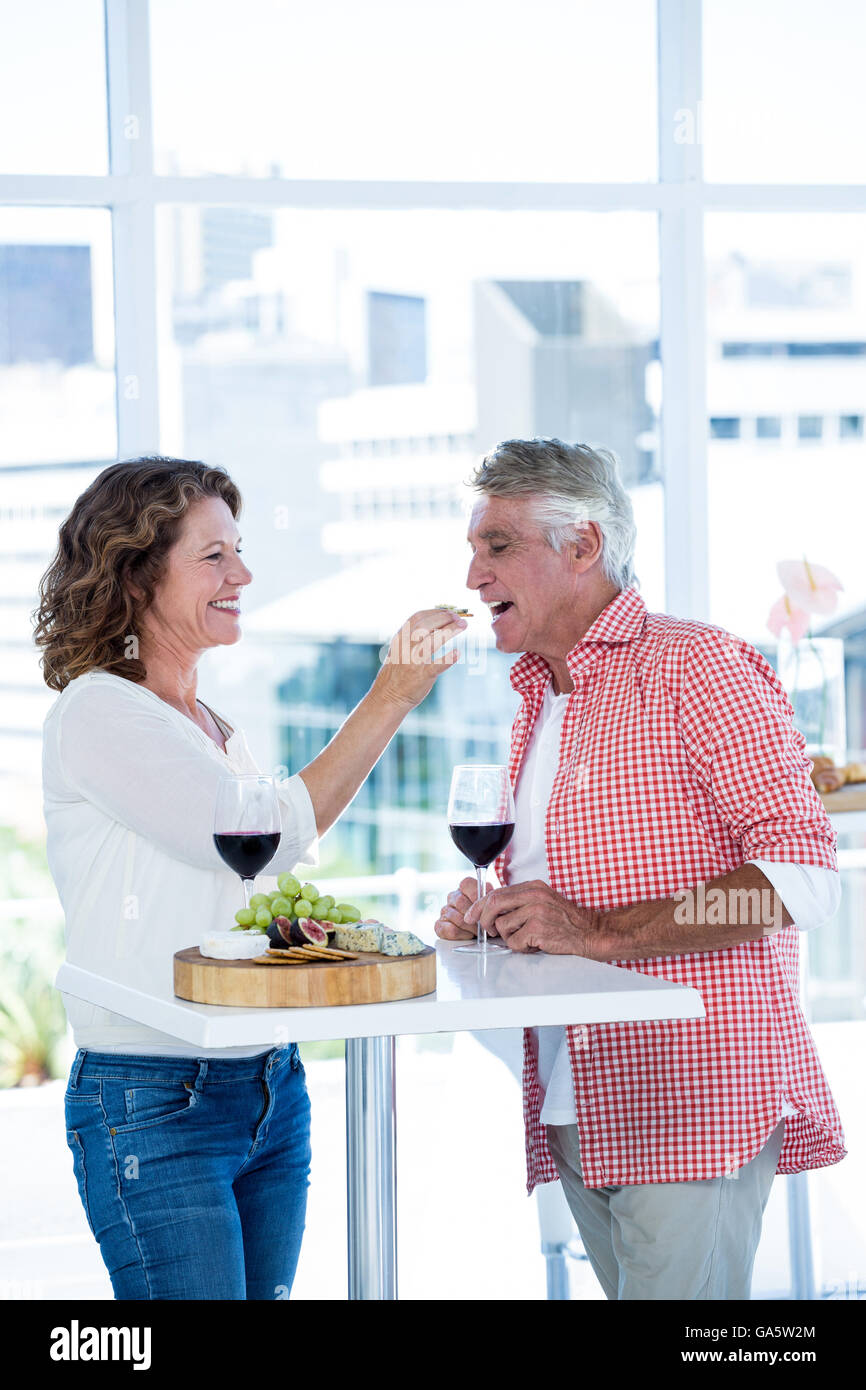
{"type": "Point", "coordinates": [32, 1018]}
{"type": "Point", "coordinates": [812, 669]}
{"type": "Point", "coordinates": [32, 1026]}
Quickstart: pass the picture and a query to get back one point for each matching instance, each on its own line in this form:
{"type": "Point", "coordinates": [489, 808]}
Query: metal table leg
{"type": "Point", "coordinates": [371, 1165]}
{"type": "Point", "coordinates": [557, 1271]}
{"type": "Point", "coordinates": [800, 1238]}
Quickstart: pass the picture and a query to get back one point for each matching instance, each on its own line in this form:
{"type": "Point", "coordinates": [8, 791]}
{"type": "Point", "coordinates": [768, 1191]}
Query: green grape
{"type": "Point", "coordinates": [309, 892]}
{"type": "Point", "coordinates": [280, 906]}
{"type": "Point", "coordinates": [326, 901]}
{"type": "Point", "coordinates": [289, 885]}
{"type": "Point", "coordinates": [303, 907]}
{"type": "Point", "coordinates": [350, 914]}
{"type": "Point", "coordinates": [263, 917]}
{"type": "Point", "coordinates": [258, 931]}
{"type": "Point", "coordinates": [319, 912]}
{"type": "Point", "coordinates": [332, 915]}
{"type": "Point", "coordinates": [258, 900]}
{"type": "Point", "coordinates": [245, 916]}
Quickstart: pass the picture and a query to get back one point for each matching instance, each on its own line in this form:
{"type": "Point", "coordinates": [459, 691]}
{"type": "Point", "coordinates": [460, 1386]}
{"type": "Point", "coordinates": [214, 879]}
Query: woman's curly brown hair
{"type": "Point", "coordinates": [120, 529]}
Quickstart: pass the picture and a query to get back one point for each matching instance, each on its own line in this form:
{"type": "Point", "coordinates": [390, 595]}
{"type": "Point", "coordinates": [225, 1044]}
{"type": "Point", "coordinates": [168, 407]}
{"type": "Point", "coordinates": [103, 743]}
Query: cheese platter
{"type": "Point", "coordinates": [369, 965]}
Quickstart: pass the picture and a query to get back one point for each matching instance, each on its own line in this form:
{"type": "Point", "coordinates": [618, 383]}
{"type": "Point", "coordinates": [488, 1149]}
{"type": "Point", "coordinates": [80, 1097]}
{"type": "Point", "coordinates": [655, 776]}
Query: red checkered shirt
{"type": "Point", "coordinates": [679, 761]}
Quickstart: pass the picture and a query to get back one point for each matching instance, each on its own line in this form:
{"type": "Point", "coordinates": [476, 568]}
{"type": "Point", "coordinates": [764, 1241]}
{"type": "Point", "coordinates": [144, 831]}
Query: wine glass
{"type": "Point", "coordinates": [481, 821]}
{"type": "Point", "coordinates": [247, 824]}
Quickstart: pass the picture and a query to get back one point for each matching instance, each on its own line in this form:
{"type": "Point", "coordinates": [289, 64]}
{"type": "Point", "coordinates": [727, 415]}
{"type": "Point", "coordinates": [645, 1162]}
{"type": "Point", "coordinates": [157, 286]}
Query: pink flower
{"type": "Point", "coordinates": [784, 613]}
{"type": "Point", "coordinates": [809, 587]}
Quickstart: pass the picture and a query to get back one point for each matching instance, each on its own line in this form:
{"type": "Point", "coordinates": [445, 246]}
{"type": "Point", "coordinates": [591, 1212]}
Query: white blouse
{"type": "Point", "coordinates": [129, 787]}
{"type": "Point", "coordinates": [810, 893]}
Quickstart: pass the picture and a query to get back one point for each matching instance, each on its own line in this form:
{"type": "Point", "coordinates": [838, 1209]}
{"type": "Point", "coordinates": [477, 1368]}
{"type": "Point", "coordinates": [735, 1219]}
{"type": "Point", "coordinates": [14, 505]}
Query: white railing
{"type": "Point", "coordinates": [406, 884]}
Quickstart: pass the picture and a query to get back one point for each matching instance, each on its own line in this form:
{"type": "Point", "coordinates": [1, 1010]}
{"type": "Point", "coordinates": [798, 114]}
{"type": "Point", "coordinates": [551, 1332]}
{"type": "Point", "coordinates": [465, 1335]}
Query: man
{"type": "Point", "coordinates": [666, 822]}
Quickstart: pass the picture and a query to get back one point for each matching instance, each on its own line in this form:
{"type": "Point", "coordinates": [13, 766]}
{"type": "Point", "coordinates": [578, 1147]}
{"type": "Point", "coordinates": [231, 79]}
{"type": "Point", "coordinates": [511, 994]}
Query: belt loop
{"type": "Point", "coordinates": [202, 1074]}
{"type": "Point", "coordinates": [76, 1068]}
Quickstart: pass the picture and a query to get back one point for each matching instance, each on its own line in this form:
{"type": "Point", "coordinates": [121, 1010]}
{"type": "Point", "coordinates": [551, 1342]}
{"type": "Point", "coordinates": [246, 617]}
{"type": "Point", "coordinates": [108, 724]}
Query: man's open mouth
{"type": "Point", "coordinates": [497, 609]}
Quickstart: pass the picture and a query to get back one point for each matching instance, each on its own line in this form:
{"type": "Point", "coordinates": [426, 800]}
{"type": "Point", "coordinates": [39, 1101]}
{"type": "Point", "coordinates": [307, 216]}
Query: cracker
{"type": "Point", "coordinates": [329, 952]}
{"type": "Point", "coordinates": [452, 608]}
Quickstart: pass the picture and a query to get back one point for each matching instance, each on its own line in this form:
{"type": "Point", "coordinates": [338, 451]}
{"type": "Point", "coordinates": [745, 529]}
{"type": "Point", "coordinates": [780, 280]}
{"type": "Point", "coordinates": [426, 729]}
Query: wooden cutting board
{"type": "Point", "coordinates": [371, 979]}
{"type": "Point", "coordinates": [851, 797]}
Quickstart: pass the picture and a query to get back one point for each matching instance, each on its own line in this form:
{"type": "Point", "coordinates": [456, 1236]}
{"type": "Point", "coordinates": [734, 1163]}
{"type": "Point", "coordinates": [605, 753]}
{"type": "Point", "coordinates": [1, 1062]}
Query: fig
{"type": "Point", "coordinates": [280, 932]}
{"type": "Point", "coordinates": [305, 930]}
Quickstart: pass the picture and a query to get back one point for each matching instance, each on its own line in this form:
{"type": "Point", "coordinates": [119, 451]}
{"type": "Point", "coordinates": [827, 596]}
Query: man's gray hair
{"type": "Point", "coordinates": [572, 484]}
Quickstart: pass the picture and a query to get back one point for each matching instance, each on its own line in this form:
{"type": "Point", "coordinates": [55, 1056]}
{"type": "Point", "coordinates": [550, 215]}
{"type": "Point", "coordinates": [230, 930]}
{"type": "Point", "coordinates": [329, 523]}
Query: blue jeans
{"type": "Point", "coordinates": [193, 1173]}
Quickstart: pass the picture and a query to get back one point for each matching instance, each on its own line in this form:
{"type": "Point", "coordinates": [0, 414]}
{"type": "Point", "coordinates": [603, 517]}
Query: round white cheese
{"type": "Point", "coordinates": [234, 945]}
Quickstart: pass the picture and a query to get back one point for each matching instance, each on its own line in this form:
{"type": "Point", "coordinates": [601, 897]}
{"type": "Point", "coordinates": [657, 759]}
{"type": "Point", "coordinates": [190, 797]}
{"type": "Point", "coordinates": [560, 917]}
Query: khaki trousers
{"type": "Point", "coordinates": [670, 1240]}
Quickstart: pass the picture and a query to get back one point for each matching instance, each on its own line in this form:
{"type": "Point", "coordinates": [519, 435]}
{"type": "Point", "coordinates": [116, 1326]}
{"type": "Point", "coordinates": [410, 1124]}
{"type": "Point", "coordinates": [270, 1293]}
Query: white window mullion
{"type": "Point", "coordinates": [393, 195]}
{"type": "Point", "coordinates": [127, 44]}
{"type": "Point", "coordinates": [100, 190]}
{"type": "Point", "coordinates": [682, 328]}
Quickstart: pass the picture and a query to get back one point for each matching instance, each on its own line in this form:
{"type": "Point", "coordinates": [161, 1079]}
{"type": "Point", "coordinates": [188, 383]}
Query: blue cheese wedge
{"type": "Point", "coordinates": [400, 943]}
{"type": "Point", "coordinates": [359, 936]}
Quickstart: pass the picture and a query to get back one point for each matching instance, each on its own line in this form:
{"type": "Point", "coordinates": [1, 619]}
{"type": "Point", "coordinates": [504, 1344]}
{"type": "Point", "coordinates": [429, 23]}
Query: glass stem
{"type": "Point", "coordinates": [481, 934]}
{"type": "Point", "coordinates": [248, 890]}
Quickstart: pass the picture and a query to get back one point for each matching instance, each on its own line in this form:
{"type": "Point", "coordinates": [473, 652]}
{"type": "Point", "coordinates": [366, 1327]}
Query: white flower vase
{"type": "Point", "coordinates": [813, 673]}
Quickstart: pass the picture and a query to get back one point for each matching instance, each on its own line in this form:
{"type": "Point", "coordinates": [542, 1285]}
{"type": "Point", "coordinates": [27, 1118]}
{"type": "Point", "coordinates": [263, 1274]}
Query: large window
{"type": "Point", "coordinates": [350, 367]}
{"type": "Point", "coordinates": [783, 96]}
{"type": "Point", "coordinates": [790, 291]}
{"type": "Point", "coordinates": [57, 384]}
{"type": "Point", "coordinates": [345, 248]}
{"type": "Point", "coordinates": [52, 88]}
{"type": "Point", "coordinates": [465, 89]}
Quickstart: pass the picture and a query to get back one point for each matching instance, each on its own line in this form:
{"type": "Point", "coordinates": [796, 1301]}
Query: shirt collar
{"type": "Point", "coordinates": [623, 619]}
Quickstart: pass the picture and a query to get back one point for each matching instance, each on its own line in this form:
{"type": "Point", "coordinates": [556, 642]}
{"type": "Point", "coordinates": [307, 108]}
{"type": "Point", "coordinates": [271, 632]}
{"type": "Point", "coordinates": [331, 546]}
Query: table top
{"type": "Point", "coordinates": [496, 990]}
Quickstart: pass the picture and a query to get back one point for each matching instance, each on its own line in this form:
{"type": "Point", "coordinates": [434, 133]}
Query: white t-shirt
{"type": "Point", "coordinates": [811, 894]}
{"type": "Point", "coordinates": [129, 787]}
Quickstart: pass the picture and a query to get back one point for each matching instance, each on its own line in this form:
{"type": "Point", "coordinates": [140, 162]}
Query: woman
{"type": "Point", "coordinates": [192, 1165]}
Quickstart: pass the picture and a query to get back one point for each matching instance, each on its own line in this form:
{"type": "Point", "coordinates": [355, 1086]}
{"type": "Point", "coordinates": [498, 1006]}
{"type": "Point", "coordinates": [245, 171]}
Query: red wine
{"type": "Point", "coordinates": [482, 843]}
{"type": "Point", "coordinates": [245, 853]}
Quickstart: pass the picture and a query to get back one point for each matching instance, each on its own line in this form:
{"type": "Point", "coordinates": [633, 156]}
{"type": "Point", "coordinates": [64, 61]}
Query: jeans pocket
{"type": "Point", "coordinates": [74, 1098]}
{"type": "Point", "coordinates": [73, 1139]}
{"type": "Point", "coordinates": [154, 1103]}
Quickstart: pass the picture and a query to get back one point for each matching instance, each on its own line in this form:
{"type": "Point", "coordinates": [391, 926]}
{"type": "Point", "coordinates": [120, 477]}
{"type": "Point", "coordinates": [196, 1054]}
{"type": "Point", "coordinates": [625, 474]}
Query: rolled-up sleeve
{"type": "Point", "coordinates": [737, 726]}
{"type": "Point", "coordinates": [812, 895]}
{"type": "Point", "coordinates": [138, 768]}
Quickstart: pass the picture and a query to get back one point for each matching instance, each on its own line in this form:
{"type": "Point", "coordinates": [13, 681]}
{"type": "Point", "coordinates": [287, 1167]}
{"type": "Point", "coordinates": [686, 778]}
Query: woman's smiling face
{"type": "Point", "coordinates": [204, 569]}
